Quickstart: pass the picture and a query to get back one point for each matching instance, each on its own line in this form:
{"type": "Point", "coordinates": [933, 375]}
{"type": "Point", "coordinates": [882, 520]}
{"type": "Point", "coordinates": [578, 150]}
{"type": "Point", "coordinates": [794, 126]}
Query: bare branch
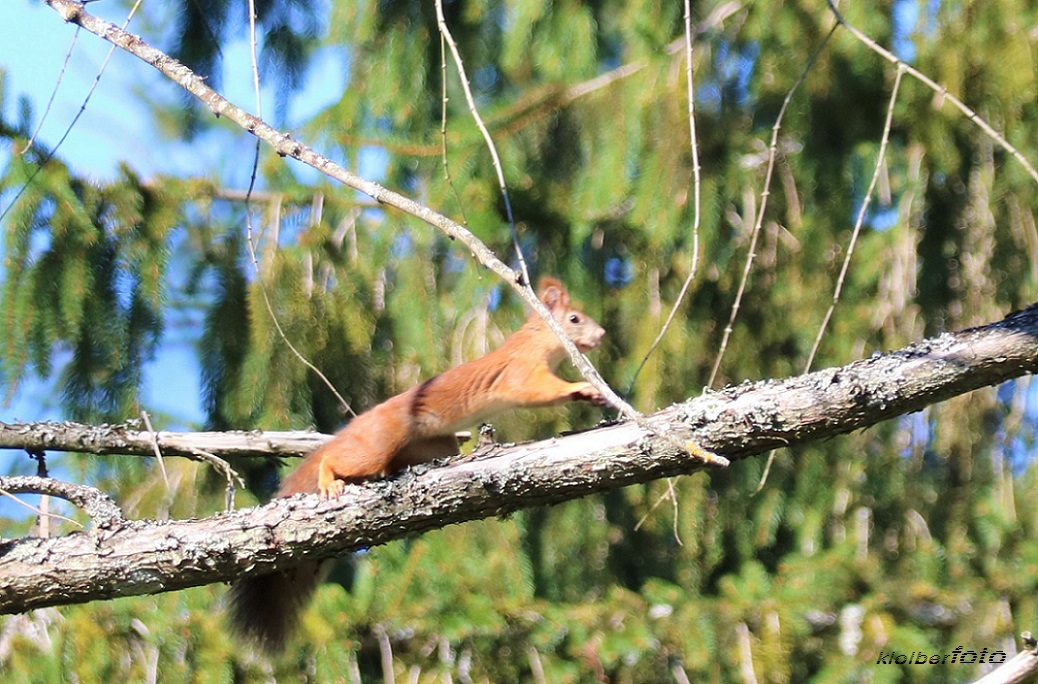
{"type": "Point", "coordinates": [939, 89]}
{"type": "Point", "coordinates": [1023, 667]}
{"type": "Point", "coordinates": [98, 505]}
{"type": "Point", "coordinates": [127, 439]}
{"type": "Point", "coordinates": [143, 557]}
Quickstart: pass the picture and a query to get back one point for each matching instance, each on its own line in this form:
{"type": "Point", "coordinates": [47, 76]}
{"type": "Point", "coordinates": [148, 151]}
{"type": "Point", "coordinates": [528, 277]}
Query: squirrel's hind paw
{"type": "Point", "coordinates": [333, 489]}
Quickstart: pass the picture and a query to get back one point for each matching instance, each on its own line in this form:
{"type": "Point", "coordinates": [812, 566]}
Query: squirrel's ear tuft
{"type": "Point", "coordinates": [552, 293]}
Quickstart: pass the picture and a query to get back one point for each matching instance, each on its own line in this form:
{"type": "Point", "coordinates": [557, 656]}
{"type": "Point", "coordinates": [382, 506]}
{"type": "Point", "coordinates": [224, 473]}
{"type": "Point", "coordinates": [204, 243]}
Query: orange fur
{"type": "Point", "coordinates": [418, 426]}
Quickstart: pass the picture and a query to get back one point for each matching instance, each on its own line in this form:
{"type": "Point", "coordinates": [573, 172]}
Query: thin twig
{"type": "Point", "coordinates": [254, 58]}
{"type": "Point", "coordinates": [696, 194]}
{"type": "Point", "coordinates": [671, 495]}
{"type": "Point", "coordinates": [443, 130]}
{"type": "Point", "coordinates": [54, 92]}
{"type": "Point", "coordinates": [249, 229]}
{"type": "Point", "coordinates": [229, 473]}
{"type": "Point", "coordinates": [860, 219]}
{"type": "Point", "coordinates": [445, 33]}
{"type": "Point", "coordinates": [750, 254]}
{"type": "Point", "coordinates": [43, 521]}
{"type": "Point", "coordinates": [39, 512]}
{"type": "Point", "coordinates": [82, 108]}
{"type": "Point", "coordinates": [155, 447]}
{"type": "Point", "coordinates": [250, 240]}
{"type": "Point", "coordinates": [764, 475]}
{"type": "Point", "coordinates": [937, 88]}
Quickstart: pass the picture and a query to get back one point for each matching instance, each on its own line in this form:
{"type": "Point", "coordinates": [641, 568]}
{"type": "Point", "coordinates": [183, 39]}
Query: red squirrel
{"type": "Point", "coordinates": [414, 427]}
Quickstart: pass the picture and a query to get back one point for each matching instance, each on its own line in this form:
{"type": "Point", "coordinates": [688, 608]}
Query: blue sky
{"type": "Point", "coordinates": [34, 41]}
{"type": "Point", "coordinates": [116, 127]}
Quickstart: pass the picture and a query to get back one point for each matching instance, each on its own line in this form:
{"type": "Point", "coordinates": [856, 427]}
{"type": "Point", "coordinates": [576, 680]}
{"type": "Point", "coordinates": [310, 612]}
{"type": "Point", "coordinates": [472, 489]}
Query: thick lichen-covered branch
{"type": "Point", "coordinates": [141, 557]}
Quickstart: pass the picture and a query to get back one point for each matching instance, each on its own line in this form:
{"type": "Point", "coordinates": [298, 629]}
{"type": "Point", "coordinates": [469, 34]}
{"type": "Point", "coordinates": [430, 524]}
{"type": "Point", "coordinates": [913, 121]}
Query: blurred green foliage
{"type": "Point", "coordinates": [916, 535]}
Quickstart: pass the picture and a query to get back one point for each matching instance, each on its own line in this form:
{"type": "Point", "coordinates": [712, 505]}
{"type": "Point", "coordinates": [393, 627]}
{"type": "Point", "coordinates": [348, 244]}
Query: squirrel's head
{"type": "Point", "coordinates": [581, 328]}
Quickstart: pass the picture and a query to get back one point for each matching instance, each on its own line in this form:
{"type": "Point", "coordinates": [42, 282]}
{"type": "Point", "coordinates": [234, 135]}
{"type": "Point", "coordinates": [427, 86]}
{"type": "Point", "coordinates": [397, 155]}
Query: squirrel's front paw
{"type": "Point", "coordinates": [587, 392]}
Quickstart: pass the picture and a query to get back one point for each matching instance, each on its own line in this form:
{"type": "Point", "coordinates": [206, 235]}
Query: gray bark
{"type": "Point", "coordinates": [123, 558]}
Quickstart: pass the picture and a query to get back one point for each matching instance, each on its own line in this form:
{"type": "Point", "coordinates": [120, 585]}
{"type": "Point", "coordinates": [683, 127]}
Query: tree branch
{"type": "Point", "coordinates": [98, 505]}
{"type": "Point", "coordinates": [142, 557]}
{"type": "Point", "coordinates": [129, 440]}
{"type": "Point", "coordinates": [1021, 668]}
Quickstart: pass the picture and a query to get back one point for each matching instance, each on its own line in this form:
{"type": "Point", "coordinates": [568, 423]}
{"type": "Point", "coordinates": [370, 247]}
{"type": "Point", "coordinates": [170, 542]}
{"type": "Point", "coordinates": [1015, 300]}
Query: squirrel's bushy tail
{"type": "Point", "coordinates": [265, 609]}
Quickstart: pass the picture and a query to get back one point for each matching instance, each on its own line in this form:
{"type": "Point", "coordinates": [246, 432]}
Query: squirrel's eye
{"type": "Point", "coordinates": [574, 318]}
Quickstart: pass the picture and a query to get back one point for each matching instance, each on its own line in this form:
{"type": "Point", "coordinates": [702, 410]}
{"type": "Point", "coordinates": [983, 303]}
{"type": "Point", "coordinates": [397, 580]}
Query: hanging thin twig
{"type": "Point", "coordinates": [229, 473]}
{"type": "Point", "coordinates": [696, 194]}
{"type": "Point", "coordinates": [443, 130]}
{"type": "Point", "coordinates": [866, 200]}
{"type": "Point", "coordinates": [54, 92]}
{"type": "Point", "coordinates": [445, 33]}
{"type": "Point", "coordinates": [750, 254]}
{"type": "Point", "coordinates": [249, 229]}
{"type": "Point", "coordinates": [155, 446]}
